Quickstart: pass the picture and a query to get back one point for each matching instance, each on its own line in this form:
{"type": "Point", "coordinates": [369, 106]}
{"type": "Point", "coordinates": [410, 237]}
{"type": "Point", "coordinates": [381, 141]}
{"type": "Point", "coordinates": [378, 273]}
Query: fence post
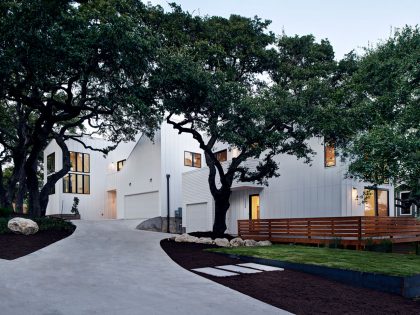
{"type": "Point", "coordinates": [239, 230]}
{"type": "Point", "coordinates": [269, 229]}
{"type": "Point", "coordinates": [309, 228]}
{"type": "Point", "coordinates": [359, 233]}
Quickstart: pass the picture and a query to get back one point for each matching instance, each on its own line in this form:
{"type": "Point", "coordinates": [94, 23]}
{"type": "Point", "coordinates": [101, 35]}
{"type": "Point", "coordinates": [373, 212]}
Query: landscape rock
{"type": "Point", "coordinates": [264, 243]}
{"type": "Point", "coordinates": [205, 240]}
{"type": "Point", "coordinates": [250, 243]}
{"type": "Point", "coordinates": [22, 226]}
{"type": "Point", "coordinates": [237, 241]}
{"type": "Point", "coordinates": [222, 242]}
{"type": "Point", "coordinates": [186, 238]}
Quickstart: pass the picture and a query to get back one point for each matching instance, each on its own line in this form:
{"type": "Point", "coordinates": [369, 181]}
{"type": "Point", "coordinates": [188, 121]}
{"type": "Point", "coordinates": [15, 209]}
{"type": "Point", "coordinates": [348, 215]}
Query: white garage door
{"type": "Point", "coordinates": [197, 217]}
{"type": "Point", "coordinates": [142, 206]}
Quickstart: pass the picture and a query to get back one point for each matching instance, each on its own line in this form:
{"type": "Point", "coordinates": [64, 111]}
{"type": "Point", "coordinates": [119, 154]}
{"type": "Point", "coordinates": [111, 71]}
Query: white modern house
{"type": "Point", "coordinates": [134, 181]}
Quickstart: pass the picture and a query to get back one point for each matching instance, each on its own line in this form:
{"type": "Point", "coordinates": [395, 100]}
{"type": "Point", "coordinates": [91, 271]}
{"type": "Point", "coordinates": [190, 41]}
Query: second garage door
{"type": "Point", "coordinates": [142, 206]}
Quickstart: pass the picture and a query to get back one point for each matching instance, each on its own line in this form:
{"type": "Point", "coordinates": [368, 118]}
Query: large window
{"type": "Point", "coordinates": [192, 159]}
{"type": "Point", "coordinates": [329, 154]}
{"type": "Point", "coordinates": [120, 165]}
{"type": "Point", "coordinates": [79, 162]}
{"type": "Point", "coordinates": [76, 184]}
{"type": "Point", "coordinates": [376, 202]}
{"type": "Point", "coordinates": [221, 156]}
{"type": "Point", "coordinates": [77, 181]}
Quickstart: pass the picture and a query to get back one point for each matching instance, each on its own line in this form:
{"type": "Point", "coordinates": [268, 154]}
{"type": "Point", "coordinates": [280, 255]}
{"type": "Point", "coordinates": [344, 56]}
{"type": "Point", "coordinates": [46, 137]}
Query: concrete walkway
{"type": "Point", "coordinates": [107, 267]}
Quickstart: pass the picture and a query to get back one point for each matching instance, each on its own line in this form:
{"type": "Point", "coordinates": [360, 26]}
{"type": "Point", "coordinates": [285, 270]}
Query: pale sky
{"type": "Point", "coordinates": [350, 24]}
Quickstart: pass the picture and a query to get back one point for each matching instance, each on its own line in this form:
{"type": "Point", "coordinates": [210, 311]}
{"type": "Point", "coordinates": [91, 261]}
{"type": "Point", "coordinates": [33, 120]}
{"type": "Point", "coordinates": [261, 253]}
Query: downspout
{"type": "Point", "coordinates": [168, 204]}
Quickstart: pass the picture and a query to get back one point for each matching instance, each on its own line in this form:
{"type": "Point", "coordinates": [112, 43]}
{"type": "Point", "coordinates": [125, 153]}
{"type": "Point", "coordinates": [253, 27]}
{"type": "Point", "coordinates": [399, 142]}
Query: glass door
{"type": "Point", "coordinates": [254, 207]}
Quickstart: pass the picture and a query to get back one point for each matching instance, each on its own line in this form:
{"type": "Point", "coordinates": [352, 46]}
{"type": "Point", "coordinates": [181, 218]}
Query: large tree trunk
{"type": "Point", "coordinates": [33, 189]}
{"type": "Point", "coordinates": [20, 195]}
{"type": "Point", "coordinates": [221, 207]}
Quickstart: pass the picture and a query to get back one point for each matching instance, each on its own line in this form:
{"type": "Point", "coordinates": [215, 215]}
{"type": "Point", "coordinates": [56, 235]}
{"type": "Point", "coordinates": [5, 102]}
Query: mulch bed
{"type": "Point", "coordinates": [13, 246]}
{"type": "Point", "coordinates": [296, 292]}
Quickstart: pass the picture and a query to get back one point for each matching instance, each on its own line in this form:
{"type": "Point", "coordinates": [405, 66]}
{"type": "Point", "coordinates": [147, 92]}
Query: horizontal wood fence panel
{"type": "Point", "coordinates": [350, 230]}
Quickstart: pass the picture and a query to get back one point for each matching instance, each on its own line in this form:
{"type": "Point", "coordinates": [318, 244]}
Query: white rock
{"type": "Point", "coordinates": [264, 243]}
{"type": "Point", "coordinates": [250, 243]}
{"type": "Point", "coordinates": [222, 242]}
{"type": "Point", "coordinates": [205, 240]}
{"type": "Point", "coordinates": [237, 241]}
{"type": "Point", "coordinates": [191, 239]}
{"type": "Point", "coordinates": [23, 226]}
{"type": "Point", "coordinates": [181, 238]}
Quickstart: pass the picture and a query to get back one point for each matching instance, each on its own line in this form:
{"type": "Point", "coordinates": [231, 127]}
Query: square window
{"type": "Point", "coordinates": [197, 160]}
{"type": "Point", "coordinates": [221, 156]}
{"type": "Point", "coordinates": [51, 163]}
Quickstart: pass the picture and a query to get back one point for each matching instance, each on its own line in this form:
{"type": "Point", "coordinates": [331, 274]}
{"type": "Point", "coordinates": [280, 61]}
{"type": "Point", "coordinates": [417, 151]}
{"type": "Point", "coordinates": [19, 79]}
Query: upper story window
{"type": "Point", "coordinates": [50, 163]}
{"type": "Point", "coordinates": [329, 154]}
{"type": "Point", "coordinates": [192, 159]}
{"type": "Point", "coordinates": [120, 165]}
{"type": "Point", "coordinates": [77, 181]}
{"type": "Point", "coordinates": [221, 156]}
{"type": "Point", "coordinates": [79, 162]}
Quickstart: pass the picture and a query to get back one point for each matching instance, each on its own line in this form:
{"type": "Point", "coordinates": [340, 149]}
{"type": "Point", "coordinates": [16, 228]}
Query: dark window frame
{"type": "Point", "coordinates": [401, 209]}
{"type": "Point", "coordinates": [50, 171]}
{"type": "Point", "coordinates": [250, 205]}
{"type": "Point", "coordinates": [329, 144]}
{"type": "Point", "coordinates": [69, 176]}
{"type": "Point", "coordinates": [219, 152]}
{"type": "Point", "coordinates": [119, 168]}
{"type": "Point", "coordinates": [193, 159]}
{"type": "Point", "coordinates": [75, 167]}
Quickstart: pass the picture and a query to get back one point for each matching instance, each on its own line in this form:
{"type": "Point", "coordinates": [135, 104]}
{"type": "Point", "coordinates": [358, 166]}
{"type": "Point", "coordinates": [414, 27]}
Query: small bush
{"type": "Point", "coordinates": [385, 246]}
{"type": "Point", "coordinates": [5, 212]}
{"type": "Point", "coordinates": [335, 243]}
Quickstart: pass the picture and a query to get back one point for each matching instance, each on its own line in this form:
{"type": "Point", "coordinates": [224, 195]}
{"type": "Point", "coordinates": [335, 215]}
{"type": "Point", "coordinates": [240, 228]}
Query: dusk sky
{"type": "Point", "coordinates": [348, 25]}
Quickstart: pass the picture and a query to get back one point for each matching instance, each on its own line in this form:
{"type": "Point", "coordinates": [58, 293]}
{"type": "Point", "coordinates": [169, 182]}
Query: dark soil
{"type": "Point", "coordinates": [13, 246]}
{"type": "Point", "coordinates": [296, 292]}
{"type": "Point", "coordinates": [211, 235]}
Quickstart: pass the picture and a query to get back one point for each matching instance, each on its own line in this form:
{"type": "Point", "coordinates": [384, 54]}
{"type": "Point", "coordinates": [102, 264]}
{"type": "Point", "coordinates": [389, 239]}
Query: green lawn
{"type": "Point", "coordinates": [391, 264]}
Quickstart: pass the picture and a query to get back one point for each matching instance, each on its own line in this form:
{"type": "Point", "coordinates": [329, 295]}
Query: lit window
{"type": "Point", "coordinates": [120, 165]}
{"type": "Point", "coordinates": [76, 181]}
{"type": "Point", "coordinates": [221, 156]}
{"type": "Point", "coordinates": [192, 159]}
{"type": "Point", "coordinates": [329, 154]}
{"type": "Point", "coordinates": [376, 202]}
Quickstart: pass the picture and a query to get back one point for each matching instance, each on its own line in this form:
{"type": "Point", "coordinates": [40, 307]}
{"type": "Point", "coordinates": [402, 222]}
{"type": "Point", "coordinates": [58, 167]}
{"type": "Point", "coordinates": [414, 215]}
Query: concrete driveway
{"type": "Point", "coordinates": [108, 267]}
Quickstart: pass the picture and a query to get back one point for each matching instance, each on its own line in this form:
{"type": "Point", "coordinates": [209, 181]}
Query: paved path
{"type": "Point", "coordinates": [107, 267]}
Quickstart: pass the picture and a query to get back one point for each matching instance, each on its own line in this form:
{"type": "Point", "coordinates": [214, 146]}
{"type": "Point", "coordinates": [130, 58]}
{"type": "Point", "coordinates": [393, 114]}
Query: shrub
{"type": "Point", "coordinates": [5, 212]}
{"type": "Point", "coordinates": [385, 246]}
{"type": "Point", "coordinates": [74, 208]}
{"type": "Point", "coordinates": [335, 243]}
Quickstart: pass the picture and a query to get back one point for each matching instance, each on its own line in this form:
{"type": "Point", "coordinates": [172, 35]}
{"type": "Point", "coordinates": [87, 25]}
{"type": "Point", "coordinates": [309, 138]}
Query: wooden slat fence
{"type": "Point", "coordinates": [350, 230]}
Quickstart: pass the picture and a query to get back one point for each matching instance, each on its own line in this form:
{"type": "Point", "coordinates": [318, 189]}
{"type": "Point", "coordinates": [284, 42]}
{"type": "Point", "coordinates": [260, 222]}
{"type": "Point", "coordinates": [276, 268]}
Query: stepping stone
{"type": "Point", "coordinates": [239, 269]}
{"type": "Point", "coordinates": [261, 267]}
{"type": "Point", "coordinates": [215, 272]}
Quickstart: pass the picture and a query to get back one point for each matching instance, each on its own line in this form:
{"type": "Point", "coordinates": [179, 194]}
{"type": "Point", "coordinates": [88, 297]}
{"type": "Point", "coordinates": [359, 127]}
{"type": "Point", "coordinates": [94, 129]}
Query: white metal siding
{"type": "Point", "coordinates": [142, 206]}
{"type": "Point", "coordinates": [197, 217]}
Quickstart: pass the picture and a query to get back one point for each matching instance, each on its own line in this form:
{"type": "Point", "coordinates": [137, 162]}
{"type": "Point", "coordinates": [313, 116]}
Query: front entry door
{"type": "Point", "coordinates": [254, 207]}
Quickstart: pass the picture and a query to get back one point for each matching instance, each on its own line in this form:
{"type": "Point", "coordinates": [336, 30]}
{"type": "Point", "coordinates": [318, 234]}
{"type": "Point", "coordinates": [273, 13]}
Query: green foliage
{"type": "Point", "coordinates": [56, 224]}
{"type": "Point", "coordinates": [336, 242]}
{"type": "Point", "coordinates": [382, 96]}
{"type": "Point", "coordinates": [384, 246]}
{"type": "Point", "coordinates": [5, 212]}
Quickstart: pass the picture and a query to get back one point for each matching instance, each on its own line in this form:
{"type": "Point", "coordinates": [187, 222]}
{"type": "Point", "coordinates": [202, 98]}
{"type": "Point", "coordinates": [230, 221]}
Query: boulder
{"type": "Point", "coordinates": [250, 243]}
{"type": "Point", "coordinates": [205, 240]}
{"type": "Point", "coordinates": [222, 242]}
{"type": "Point", "coordinates": [181, 238]}
{"type": "Point", "coordinates": [236, 242]}
{"type": "Point", "coordinates": [264, 243]}
{"type": "Point", "coordinates": [22, 226]}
